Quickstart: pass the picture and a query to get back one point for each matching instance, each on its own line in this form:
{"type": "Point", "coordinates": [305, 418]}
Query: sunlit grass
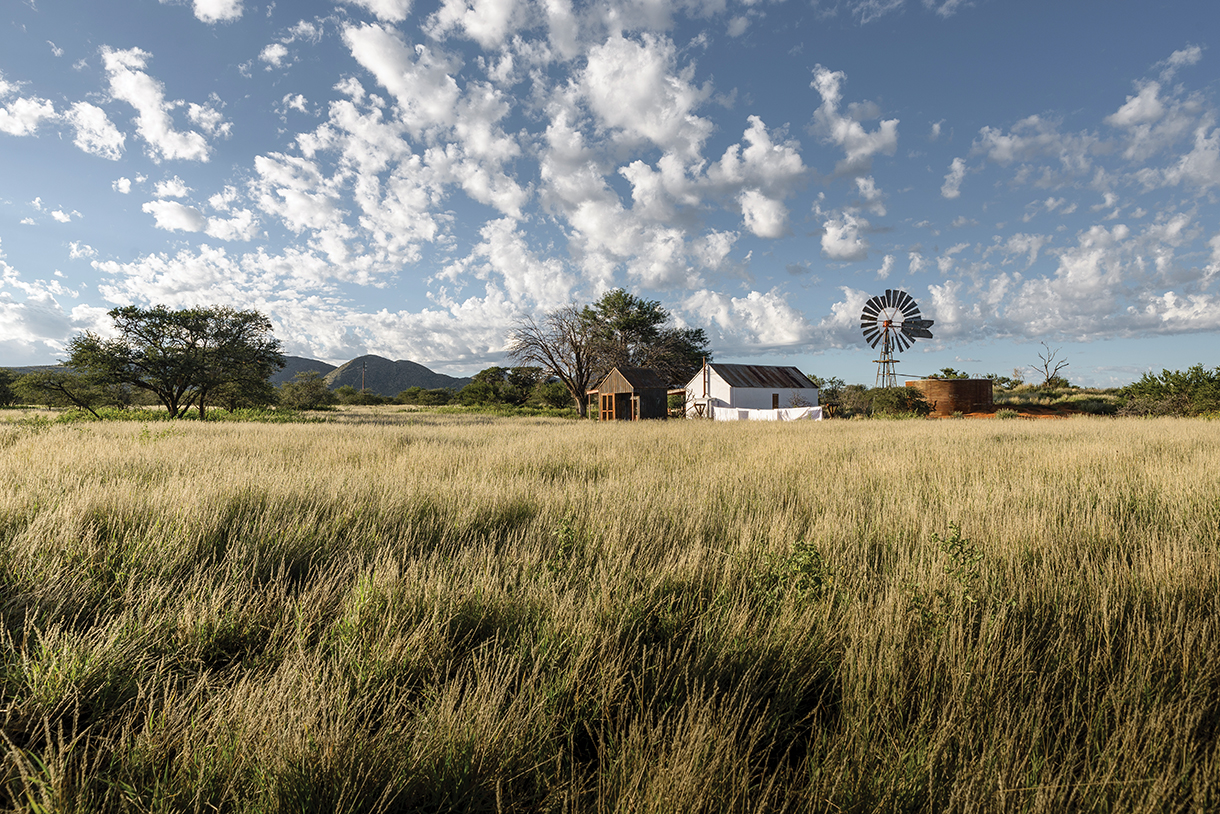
{"type": "Point", "coordinates": [399, 610]}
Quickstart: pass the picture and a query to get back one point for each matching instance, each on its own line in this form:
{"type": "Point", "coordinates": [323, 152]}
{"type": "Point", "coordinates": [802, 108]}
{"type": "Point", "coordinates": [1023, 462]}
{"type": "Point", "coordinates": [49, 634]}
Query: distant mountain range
{"type": "Point", "coordinates": [379, 375]}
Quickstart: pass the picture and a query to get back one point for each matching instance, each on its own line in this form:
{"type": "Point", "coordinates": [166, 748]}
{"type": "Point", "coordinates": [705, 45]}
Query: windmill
{"type": "Point", "coordinates": [892, 320]}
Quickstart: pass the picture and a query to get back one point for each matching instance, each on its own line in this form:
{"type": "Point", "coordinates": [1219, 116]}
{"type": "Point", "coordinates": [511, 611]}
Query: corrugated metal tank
{"type": "Point", "coordinates": [949, 396]}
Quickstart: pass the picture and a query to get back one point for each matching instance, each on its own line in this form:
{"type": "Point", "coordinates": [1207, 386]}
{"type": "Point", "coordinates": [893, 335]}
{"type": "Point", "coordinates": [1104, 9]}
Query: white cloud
{"type": "Point", "coordinates": [274, 55]}
{"type": "Point", "coordinates": [872, 198]}
{"type": "Point", "coordinates": [390, 11]}
{"type": "Point", "coordinates": [217, 11]}
{"type": "Point", "coordinates": [77, 250]}
{"type": "Point", "coordinates": [858, 145]}
{"type": "Point", "coordinates": [21, 117]}
{"type": "Point", "coordinates": [175, 217]}
{"type": "Point", "coordinates": [841, 239]}
{"type": "Point", "coordinates": [129, 83]}
{"type": "Point", "coordinates": [635, 90]}
{"type": "Point", "coordinates": [765, 217]}
{"type": "Point", "coordinates": [1189, 55]}
{"type": "Point", "coordinates": [946, 8]}
{"type": "Point", "coordinates": [487, 22]}
{"type": "Point", "coordinates": [738, 25]}
{"type": "Point", "coordinates": [952, 187]}
{"type": "Point", "coordinates": [64, 217]}
{"type": "Point", "coordinates": [751, 324]}
{"type": "Point", "coordinates": [171, 188]}
{"type": "Point", "coordinates": [418, 78]}
{"type": "Point", "coordinates": [122, 185]}
{"type": "Point", "coordinates": [241, 225]}
{"type": "Point", "coordinates": [95, 133]}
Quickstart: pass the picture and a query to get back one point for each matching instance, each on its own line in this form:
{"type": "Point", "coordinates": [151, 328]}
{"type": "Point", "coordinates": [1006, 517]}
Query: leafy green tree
{"type": "Point", "coordinates": [830, 390]}
{"type": "Point", "coordinates": [551, 394]}
{"type": "Point", "coordinates": [182, 357]}
{"type": "Point", "coordinates": [307, 391]}
{"type": "Point", "coordinates": [950, 373]}
{"type": "Point", "coordinates": [897, 401]}
{"type": "Point", "coordinates": [1193, 391]}
{"type": "Point", "coordinates": [7, 395]}
{"type": "Point", "coordinates": [632, 332]}
{"type": "Point", "coordinates": [67, 388]}
{"type": "Point", "coordinates": [427, 398]}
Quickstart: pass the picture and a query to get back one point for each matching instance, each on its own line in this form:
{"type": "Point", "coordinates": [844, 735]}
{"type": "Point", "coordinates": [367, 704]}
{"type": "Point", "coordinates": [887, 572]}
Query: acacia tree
{"type": "Point", "coordinates": [180, 356]}
{"type": "Point", "coordinates": [561, 343]}
{"type": "Point", "coordinates": [632, 332]}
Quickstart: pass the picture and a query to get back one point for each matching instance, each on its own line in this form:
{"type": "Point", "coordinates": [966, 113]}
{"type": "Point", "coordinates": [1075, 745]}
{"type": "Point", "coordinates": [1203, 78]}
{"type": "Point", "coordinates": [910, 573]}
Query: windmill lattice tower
{"type": "Point", "coordinates": [894, 322]}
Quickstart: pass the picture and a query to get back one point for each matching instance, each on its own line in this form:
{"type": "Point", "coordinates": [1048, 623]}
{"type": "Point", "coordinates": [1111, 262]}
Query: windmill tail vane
{"type": "Point", "coordinates": [894, 322]}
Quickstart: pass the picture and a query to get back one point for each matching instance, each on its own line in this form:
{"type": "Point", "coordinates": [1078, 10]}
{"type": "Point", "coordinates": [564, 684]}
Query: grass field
{"type": "Point", "coordinates": [413, 612]}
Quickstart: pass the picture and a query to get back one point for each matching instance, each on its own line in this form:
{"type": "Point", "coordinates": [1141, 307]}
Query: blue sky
{"type": "Point", "coordinates": [411, 178]}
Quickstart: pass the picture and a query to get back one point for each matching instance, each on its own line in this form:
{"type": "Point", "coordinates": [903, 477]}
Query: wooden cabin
{"type": "Point", "coordinates": [629, 394]}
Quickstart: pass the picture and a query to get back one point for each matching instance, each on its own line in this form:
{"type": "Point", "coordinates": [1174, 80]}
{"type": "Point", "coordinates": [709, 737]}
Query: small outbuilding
{"type": "Point", "coordinates": [629, 394]}
{"type": "Point", "coordinates": [747, 387]}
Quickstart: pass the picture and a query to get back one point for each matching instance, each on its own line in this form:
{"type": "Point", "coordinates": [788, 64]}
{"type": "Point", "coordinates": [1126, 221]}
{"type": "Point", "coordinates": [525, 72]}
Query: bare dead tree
{"type": "Point", "coordinates": [561, 344]}
{"type": "Point", "coordinates": [1049, 366]}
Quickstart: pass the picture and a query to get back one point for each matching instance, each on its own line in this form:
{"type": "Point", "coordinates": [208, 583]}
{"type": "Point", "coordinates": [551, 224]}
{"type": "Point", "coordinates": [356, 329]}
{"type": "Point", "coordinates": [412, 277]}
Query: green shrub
{"type": "Point", "coordinates": [898, 402]}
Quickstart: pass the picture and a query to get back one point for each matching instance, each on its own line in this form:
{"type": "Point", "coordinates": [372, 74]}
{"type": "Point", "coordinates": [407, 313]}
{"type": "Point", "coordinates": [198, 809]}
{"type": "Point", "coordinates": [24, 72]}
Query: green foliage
{"type": "Point", "coordinates": [346, 394]}
{"type": "Point", "coordinates": [898, 402]}
{"type": "Point", "coordinates": [8, 396]}
{"type": "Point", "coordinates": [182, 357]}
{"type": "Point", "coordinates": [853, 401]}
{"type": "Point", "coordinates": [950, 373]}
{"type": "Point", "coordinates": [1005, 414]}
{"type": "Point", "coordinates": [963, 573]}
{"type": "Point", "coordinates": [631, 332]}
{"type": "Point", "coordinates": [553, 395]}
{"type": "Point", "coordinates": [801, 575]}
{"type": "Point", "coordinates": [830, 390]}
{"type": "Point", "coordinates": [1194, 391]}
{"type": "Point", "coordinates": [420, 396]}
{"type": "Point", "coordinates": [67, 388]}
{"type": "Point", "coordinates": [307, 391]}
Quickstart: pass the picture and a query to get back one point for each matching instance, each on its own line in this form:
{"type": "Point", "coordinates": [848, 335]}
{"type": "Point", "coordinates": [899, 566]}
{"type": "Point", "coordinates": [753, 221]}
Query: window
{"type": "Point", "coordinates": [775, 401]}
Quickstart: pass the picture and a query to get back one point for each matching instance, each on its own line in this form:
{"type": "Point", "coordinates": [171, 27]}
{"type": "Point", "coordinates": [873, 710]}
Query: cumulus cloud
{"type": "Point", "coordinates": [216, 11]}
{"type": "Point", "coordinates": [636, 90]}
{"type": "Point", "coordinates": [122, 185]}
{"type": "Point", "coordinates": [487, 22]}
{"type": "Point", "coordinates": [22, 116]}
{"type": "Point", "coordinates": [765, 217]}
{"type": "Point", "coordinates": [129, 83]}
{"type": "Point", "coordinates": [274, 55]}
{"type": "Point", "coordinates": [175, 217]}
{"type": "Point", "coordinates": [841, 239]}
{"type": "Point", "coordinates": [749, 324]}
{"type": "Point", "coordinates": [171, 188]}
{"type": "Point", "coordinates": [952, 187]}
{"type": "Point", "coordinates": [858, 145]}
{"type": "Point", "coordinates": [95, 133]}
{"type": "Point", "coordinates": [1189, 55]}
{"type": "Point", "coordinates": [390, 11]}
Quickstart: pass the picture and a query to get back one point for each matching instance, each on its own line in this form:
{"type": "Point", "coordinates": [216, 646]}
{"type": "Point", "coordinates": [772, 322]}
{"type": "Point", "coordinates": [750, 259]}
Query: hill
{"type": "Point", "coordinates": [299, 364]}
{"type": "Point", "coordinates": [389, 378]}
{"type": "Point", "coordinates": [381, 375]}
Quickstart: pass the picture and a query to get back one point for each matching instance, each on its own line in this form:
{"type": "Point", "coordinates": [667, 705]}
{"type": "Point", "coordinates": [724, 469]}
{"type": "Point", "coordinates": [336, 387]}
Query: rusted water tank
{"type": "Point", "coordinates": [949, 396]}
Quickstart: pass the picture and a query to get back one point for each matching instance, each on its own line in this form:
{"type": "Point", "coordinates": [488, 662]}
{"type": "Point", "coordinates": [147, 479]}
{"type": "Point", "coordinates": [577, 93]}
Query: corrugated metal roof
{"type": "Point", "coordinates": [762, 376]}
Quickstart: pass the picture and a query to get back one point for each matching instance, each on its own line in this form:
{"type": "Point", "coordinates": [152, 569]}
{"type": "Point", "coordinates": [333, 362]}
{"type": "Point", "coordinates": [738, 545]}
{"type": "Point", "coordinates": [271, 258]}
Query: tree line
{"type": "Point", "coordinates": [205, 357]}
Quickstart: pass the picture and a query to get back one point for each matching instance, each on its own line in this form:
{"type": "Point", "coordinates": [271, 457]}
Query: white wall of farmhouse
{"type": "Point", "coordinates": [722, 394]}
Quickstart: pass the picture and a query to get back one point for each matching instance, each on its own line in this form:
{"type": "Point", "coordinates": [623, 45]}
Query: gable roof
{"type": "Point", "coordinates": [640, 378]}
{"type": "Point", "coordinates": [762, 376]}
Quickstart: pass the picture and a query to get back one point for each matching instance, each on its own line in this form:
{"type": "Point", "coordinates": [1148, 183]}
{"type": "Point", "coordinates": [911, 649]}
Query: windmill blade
{"type": "Point", "coordinates": [875, 340]}
{"type": "Point", "coordinates": [905, 301]}
{"type": "Point", "coordinates": [889, 298]}
{"type": "Point", "coordinates": [903, 342]}
{"type": "Point", "coordinates": [868, 314]}
{"type": "Point", "coordinates": [871, 337]}
{"type": "Point", "coordinates": [921, 333]}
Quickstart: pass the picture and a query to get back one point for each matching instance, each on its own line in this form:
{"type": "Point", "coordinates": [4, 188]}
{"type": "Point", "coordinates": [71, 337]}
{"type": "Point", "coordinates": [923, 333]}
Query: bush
{"type": "Point", "coordinates": [426, 398]}
{"type": "Point", "coordinates": [307, 391]}
{"type": "Point", "coordinates": [1186, 393]}
{"type": "Point", "coordinates": [898, 401]}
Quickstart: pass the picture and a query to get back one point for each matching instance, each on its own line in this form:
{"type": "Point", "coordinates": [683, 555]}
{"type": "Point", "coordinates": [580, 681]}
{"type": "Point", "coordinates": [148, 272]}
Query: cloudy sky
{"type": "Point", "coordinates": [409, 177]}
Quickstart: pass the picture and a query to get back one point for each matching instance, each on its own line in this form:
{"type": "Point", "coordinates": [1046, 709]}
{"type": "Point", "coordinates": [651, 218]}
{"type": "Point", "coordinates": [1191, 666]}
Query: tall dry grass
{"type": "Point", "coordinates": [416, 613]}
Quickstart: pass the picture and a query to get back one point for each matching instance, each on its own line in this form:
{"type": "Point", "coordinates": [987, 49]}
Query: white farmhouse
{"type": "Point", "coordinates": [720, 391]}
